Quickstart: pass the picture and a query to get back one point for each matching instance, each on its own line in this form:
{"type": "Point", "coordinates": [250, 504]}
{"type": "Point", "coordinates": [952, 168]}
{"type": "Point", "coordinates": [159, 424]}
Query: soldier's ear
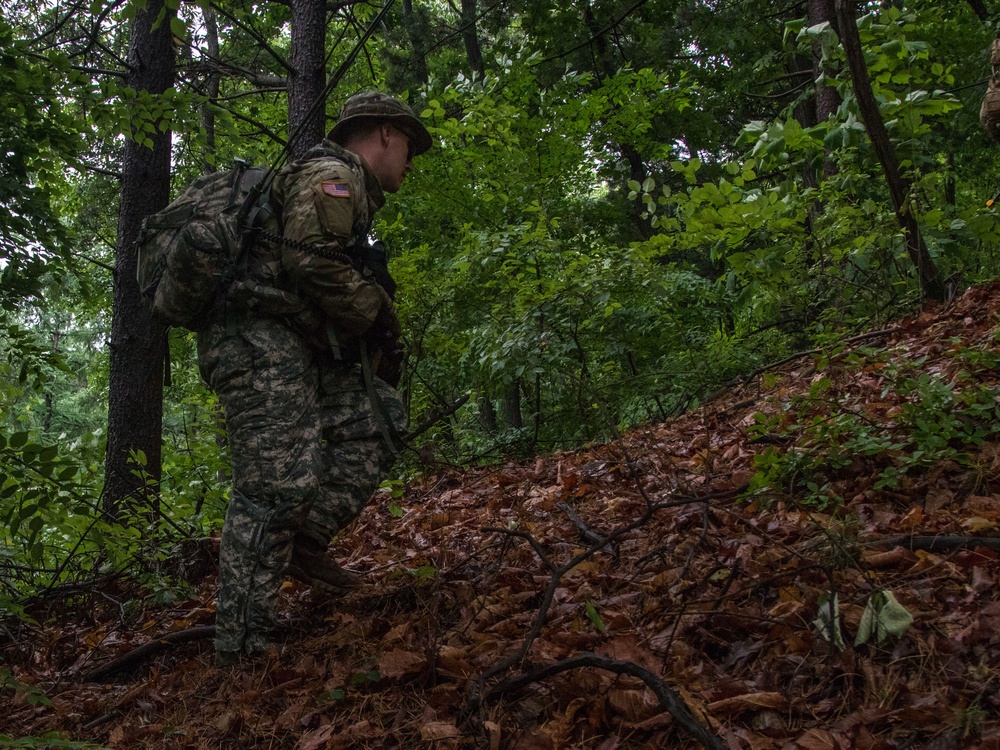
{"type": "Point", "coordinates": [385, 133]}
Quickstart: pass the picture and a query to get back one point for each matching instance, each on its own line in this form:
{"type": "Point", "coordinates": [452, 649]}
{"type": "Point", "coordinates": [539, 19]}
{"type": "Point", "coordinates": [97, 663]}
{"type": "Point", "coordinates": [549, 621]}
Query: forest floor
{"type": "Point", "coordinates": [757, 561]}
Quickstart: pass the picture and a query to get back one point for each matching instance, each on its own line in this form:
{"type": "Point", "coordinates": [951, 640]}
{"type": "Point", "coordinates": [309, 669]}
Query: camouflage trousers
{"type": "Point", "coordinates": [307, 454]}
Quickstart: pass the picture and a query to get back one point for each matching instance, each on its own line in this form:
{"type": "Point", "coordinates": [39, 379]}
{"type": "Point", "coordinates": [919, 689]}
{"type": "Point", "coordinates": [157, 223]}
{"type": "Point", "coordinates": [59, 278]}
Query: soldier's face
{"type": "Point", "coordinates": [397, 158]}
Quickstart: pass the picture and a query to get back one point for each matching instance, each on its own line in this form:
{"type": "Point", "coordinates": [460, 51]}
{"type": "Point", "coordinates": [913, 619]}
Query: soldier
{"type": "Point", "coordinates": [310, 436]}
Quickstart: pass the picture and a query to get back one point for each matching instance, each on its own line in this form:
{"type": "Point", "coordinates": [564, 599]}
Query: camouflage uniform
{"type": "Point", "coordinates": [307, 450]}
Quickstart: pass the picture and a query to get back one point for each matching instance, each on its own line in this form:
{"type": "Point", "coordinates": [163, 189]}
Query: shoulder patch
{"type": "Point", "coordinates": [337, 189]}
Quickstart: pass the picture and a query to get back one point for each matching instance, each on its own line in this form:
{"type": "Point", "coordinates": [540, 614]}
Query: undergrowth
{"type": "Point", "coordinates": [917, 420]}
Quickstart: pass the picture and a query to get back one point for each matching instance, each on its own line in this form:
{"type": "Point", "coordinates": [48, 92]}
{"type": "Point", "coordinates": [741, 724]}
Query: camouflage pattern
{"type": "Point", "coordinates": [305, 444]}
{"type": "Point", "coordinates": [989, 112]}
{"type": "Point", "coordinates": [378, 107]}
{"type": "Point", "coordinates": [307, 454]}
{"type": "Point", "coordinates": [312, 216]}
{"type": "Point", "coordinates": [183, 249]}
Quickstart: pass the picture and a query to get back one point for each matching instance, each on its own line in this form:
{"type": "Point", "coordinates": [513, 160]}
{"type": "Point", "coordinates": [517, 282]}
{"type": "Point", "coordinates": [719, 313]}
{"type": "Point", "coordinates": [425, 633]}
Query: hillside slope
{"type": "Point", "coordinates": [728, 560]}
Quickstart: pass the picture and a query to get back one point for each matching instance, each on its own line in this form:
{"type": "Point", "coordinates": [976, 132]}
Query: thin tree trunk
{"type": "Point", "coordinates": [307, 82]}
{"type": "Point", "coordinates": [949, 180]}
{"type": "Point", "coordinates": [899, 187]}
{"type": "Point", "coordinates": [805, 113]}
{"type": "Point", "coordinates": [512, 406]}
{"type": "Point", "coordinates": [487, 413]}
{"type": "Point", "coordinates": [47, 421]}
{"type": "Point", "coordinates": [637, 171]}
{"type": "Point", "coordinates": [418, 47]}
{"type": "Point", "coordinates": [135, 398]}
{"type": "Point", "coordinates": [471, 38]}
{"type": "Point", "coordinates": [209, 163]}
{"type": "Point", "coordinates": [979, 8]}
{"type": "Point", "coordinates": [827, 98]}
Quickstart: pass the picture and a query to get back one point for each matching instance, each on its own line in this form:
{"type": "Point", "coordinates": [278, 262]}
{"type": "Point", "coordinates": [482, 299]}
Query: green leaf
{"type": "Point", "coordinates": [883, 616]}
{"type": "Point", "coordinates": [595, 617]}
{"type": "Point", "coordinates": [178, 28]}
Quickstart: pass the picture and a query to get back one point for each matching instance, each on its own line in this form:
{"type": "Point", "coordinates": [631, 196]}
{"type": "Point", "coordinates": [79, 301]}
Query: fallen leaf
{"type": "Point", "coordinates": [978, 523]}
{"type": "Point", "coordinates": [397, 663]}
{"type": "Point", "coordinates": [438, 730]}
{"type": "Point", "coordinates": [818, 739]}
{"type": "Point", "coordinates": [748, 702]}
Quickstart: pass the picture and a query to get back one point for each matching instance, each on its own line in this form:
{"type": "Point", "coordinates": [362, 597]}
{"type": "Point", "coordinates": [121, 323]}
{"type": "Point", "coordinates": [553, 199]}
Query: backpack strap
{"type": "Point", "coordinates": [393, 440]}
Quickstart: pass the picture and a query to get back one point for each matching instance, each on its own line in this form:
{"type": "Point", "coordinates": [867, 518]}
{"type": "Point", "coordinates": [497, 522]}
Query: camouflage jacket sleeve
{"type": "Point", "coordinates": [323, 200]}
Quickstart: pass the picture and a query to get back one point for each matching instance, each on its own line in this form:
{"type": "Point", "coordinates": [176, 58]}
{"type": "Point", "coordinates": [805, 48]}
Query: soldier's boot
{"type": "Point", "coordinates": [312, 566]}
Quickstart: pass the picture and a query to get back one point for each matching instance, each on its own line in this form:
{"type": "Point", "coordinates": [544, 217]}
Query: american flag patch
{"type": "Point", "coordinates": [337, 189]}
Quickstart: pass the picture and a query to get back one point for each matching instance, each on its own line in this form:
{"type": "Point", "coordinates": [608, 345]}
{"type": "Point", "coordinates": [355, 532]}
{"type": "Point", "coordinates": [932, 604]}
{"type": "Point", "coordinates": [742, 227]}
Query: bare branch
{"type": "Point", "coordinates": [257, 37]}
{"type": "Point", "coordinates": [603, 30]}
{"type": "Point", "coordinates": [669, 699]}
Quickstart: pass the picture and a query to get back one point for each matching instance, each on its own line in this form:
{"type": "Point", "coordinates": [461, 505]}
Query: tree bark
{"type": "Point", "coordinates": [471, 38]}
{"type": "Point", "coordinates": [487, 414]}
{"type": "Point", "coordinates": [308, 78]}
{"type": "Point", "coordinates": [930, 280]}
{"type": "Point", "coordinates": [511, 404]}
{"type": "Point", "coordinates": [411, 20]}
{"type": "Point", "coordinates": [135, 398]}
{"type": "Point", "coordinates": [47, 420]}
{"type": "Point", "coordinates": [637, 171]}
{"type": "Point", "coordinates": [827, 98]}
{"type": "Point", "coordinates": [805, 113]}
{"type": "Point", "coordinates": [209, 164]}
{"type": "Point", "coordinates": [979, 8]}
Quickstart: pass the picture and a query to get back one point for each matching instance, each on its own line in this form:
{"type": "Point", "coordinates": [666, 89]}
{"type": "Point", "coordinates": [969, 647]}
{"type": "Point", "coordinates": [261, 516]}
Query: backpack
{"type": "Point", "coordinates": [189, 252]}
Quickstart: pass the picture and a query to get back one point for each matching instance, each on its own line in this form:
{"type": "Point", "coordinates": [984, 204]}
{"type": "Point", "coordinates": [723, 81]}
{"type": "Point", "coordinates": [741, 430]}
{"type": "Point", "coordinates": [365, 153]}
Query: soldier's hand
{"type": "Point", "coordinates": [375, 261]}
{"type": "Point", "coordinates": [385, 321]}
{"type": "Point", "coordinates": [388, 353]}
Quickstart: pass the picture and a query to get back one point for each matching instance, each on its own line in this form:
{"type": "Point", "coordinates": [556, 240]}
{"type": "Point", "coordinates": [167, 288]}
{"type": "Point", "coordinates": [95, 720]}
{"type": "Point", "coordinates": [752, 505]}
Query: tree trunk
{"type": "Point", "coordinates": [637, 171]}
{"type": "Point", "coordinates": [827, 98]}
{"type": "Point", "coordinates": [949, 180]}
{"type": "Point", "coordinates": [979, 8]}
{"type": "Point", "coordinates": [209, 164]}
{"type": "Point", "coordinates": [512, 406]}
{"type": "Point", "coordinates": [308, 79]}
{"type": "Point", "coordinates": [899, 188]}
{"type": "Point", "coordinates": [414, 32]}
{"type": "Point", "coordinates": [135, 397]}
{"type": "Point", "coordinates": [805, 113]}
{"type": "Point", "coordinates": [471, 38]}
{"type": "Point", "coordinates": [487, 414]}
{"type": "Point", "coordinates": [47, 421]}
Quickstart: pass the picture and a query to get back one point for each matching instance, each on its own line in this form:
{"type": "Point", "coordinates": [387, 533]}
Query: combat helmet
{"type": "Point", "coordinates": [378, 107]}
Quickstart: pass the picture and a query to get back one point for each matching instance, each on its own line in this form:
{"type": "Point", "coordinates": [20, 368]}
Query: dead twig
{"type": "Point", "coordinates": [587, 533]}
{"type": "Point", "coordinates": [669, 699]}
{"type": "Point", "coordinates": [131, 659]}
{"type": "Point", "coordinates": [938, 543]}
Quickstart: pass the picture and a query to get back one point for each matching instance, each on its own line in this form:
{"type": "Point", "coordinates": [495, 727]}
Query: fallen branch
{"type": "Point", "coordinates": [587, 533]}
{"type": "Point", "coordinates": [939, 543]}
{"type": "Point", "coordinates": [131, 659]}
{"type": "Point", "coordinates": [556, 573]}
{"type": "Point", "coordinates": [435, 417]}
{"type": "Point", "coordinates": [672, 703]}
